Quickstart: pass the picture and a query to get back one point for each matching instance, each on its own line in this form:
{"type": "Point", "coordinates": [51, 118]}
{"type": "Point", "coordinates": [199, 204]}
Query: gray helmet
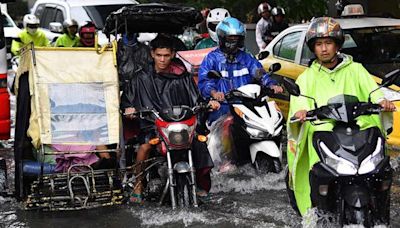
{"type": "Point", "coordinates": [263, 7]}
{"type": "Point", "coordinates": [69, 22]}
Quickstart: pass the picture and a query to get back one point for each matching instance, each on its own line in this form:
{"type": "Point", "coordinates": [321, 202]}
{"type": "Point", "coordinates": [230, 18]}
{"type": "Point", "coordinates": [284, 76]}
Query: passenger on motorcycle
{"type": "Point", "coordinates": [29, 34]}
{"type": "Point", "coordinates": [166, 85]}
{"type": "Point", "coordinates": [213, 18]}
{"type": "Point", "coordinates": [87, 34]}
{"type": "Point", "coordinates": [330, 74]}
{"type": "Point", "coordinates": [69, 38]}
{"type": "Point", "coordinates": [278, 23]}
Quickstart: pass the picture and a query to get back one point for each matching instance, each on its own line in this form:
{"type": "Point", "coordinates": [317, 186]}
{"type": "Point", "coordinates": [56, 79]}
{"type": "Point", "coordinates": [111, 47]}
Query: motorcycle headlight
{"type": "Point", "coordinates": [370, 162]}
{"type": "Point", "coordinates": [339, 164]}
{"type": "Point", "coordinates": [178, 134]}
{"type": "Point", "coordinates": [256, 132]}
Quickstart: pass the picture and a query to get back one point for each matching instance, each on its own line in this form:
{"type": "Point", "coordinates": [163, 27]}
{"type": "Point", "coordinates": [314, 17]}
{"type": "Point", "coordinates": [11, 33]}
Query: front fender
{"type": "Point", "coordinates": [356, 196]}
{"type": "Point", "coordinates": [268, 147]}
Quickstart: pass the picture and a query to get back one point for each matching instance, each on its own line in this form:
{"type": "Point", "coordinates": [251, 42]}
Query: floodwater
{"type": "Point", "coordinates": [242, 198]}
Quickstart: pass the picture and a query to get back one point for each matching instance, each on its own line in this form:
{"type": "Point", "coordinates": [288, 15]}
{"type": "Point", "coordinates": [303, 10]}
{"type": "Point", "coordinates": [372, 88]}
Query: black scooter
{"type": "Point", "coordinates": [353, 177]}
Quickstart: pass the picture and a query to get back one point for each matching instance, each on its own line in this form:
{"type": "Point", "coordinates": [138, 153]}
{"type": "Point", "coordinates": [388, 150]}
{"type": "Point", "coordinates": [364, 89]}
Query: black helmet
{"type": "Point", "coordinates": [278, 11]}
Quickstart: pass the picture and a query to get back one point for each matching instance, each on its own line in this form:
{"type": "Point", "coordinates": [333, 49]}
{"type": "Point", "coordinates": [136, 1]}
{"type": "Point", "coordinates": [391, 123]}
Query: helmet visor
{"type": "Point", "coordinates": [32, 26]}
{"type": "Point", "coordinates": [212, 26]}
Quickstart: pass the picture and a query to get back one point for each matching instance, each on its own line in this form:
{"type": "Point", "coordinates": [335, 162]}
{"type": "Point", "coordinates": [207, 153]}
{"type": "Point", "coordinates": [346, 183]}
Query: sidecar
{"type": "Point", "coordinates": [67, 98]}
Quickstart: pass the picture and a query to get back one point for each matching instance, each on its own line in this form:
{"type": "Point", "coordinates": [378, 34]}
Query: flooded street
{"type": "Point", "coordinates": [241, 198]}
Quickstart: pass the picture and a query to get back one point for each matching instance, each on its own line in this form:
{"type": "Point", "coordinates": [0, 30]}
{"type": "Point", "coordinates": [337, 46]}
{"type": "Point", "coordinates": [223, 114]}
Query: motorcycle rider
{"type": "Point", "coordinates": [330, 74]}
{"type": "Point", "coordinates": [235, 65]}
{"type": "Point", "coordinates": [69, 38]}
{"type": "Point", "coordinates": [167, 84]}
{"type": "Point", "coordinates": [213, 18]}
{"type": "Point", "coordinates": [278, 22]}
{"type": "Point", "coordinates": [263, 25]}
{"type": "Point", "coordinates": [29, 34]}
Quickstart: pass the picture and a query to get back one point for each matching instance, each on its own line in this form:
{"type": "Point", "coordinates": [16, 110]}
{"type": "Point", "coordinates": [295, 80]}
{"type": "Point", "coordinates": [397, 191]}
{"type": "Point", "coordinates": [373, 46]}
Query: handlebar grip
{"type": "Point", "coordinates": [294, 119]}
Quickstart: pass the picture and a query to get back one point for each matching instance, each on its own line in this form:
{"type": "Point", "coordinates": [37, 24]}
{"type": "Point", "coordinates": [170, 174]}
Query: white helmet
{"type": "Point", "coordinates": [214, 17]}
{"type": "Point", "coordinates": [263, 7]}
{"type": "Point", "coordinates": [30, 19]}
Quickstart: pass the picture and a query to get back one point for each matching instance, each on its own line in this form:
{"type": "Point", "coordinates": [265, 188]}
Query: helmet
{"type": "Point", "coordinates": [278, 11]}
{"type": "Point", "coordinates": [69, 22]}
{"type": "Point", "coordinates": [230, 26]}
{"type": "Point", "coordinates": [263, 7]}
{"type": "Point", "coordinates": [31, 23]}
{"type": "Point", "coordinates": [87, 33]}
{"type": "Point", "coordinates": [214, 17]}
{"type": "Point", "coordinates": [324, 27]}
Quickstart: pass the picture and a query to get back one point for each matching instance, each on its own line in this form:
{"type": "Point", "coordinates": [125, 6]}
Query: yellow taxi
{"type": "Point", "coordinates": [372, 41]}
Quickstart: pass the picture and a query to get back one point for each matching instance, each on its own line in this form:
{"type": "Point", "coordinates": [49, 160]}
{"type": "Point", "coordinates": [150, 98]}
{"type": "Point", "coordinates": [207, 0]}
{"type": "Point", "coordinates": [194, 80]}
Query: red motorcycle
{"type": "Point", "coordinates": [176, 130]}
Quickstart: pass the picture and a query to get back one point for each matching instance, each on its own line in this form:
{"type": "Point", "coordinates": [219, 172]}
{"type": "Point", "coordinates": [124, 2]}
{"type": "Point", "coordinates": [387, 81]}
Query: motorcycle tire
{"type": "Point", "coordinates": [183, 193]}
{"type": "Point", "coordinates": [358, 216]}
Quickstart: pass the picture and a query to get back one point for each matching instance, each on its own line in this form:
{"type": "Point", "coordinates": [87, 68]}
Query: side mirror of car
{"type": "Point", "coordinates": [214, 74]}
{"type": "Point", "coordinates": [274, 67]}
{"type": "Point", "coordinates": [56, 27]}
{"type": "Point", "coordinates": [262, 55]}
{"type": "Point", "coordinates": [391, 78]}
{"type": "Point", "coordinates": [291, 87]}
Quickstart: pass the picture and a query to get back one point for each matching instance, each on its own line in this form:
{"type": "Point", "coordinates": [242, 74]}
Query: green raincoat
{"type": "Point", "coordinates": [65, 40]}
{"type": "Point", "coordinates": [206, 43]}
{"type": "Point", "coordinates": [322, 84]}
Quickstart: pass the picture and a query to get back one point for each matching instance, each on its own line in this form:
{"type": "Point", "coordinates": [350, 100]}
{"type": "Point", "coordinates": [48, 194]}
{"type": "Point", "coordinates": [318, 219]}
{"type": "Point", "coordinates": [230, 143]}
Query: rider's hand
{"type": "Point", "coordinates": [129, 112]}
{"type": "Point", "coordinates": [387, 106]}
{"type": "Point", "coordinates": [214, 105]}
{"type": "Point", "coordinates": [277, 89]}
{"type": "Point", "coordinates": [301, 115]}
{"type": "Point", "coordinates": [219, 96]}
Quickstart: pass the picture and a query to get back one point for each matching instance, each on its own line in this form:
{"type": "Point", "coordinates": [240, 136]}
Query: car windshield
{"type": "Point", "coordinates": [377, 48]}
{"type": "Point", "coordinates": [6, 21]}
{"type": "Point", "coordinates": [97, 14]}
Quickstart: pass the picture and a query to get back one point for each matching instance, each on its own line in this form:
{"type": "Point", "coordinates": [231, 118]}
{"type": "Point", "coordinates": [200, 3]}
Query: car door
{"type": "Point", "coordinates": [286, 50]}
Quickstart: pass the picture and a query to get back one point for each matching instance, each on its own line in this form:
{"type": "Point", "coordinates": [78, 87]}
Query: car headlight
{"type": "Point", "coordinates": [390, 94]}
{"type": "Point", "coordinates": [339, 164]}
{"type": "Point", "coordinates": [370, 162]}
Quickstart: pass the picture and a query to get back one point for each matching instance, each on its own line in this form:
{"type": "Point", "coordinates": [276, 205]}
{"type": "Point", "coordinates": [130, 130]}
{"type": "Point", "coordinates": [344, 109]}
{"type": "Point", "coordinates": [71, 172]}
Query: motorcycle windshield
{"type": "Point", "coordinates": [176, 113]}
{"type": "Point", "coordinates": [340, 108]}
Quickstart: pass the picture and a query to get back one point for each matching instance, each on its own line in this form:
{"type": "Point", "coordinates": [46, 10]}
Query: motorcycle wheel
{"type": "Point", "coordinates": [265, 163]}
{"type": "Point", "coordinates": [358, 216]}
{"type": "Point", "coordinates": [183, 193]}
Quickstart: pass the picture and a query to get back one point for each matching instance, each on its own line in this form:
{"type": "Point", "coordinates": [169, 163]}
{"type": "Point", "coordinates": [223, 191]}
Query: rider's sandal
{"type": "Point", "coordinates": [136, 199]}
{"type": "Point", "coordinates": [203, 195]}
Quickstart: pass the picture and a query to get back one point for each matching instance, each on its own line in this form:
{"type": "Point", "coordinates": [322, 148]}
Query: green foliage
{"type": "Point", "coordinates": [246, 10]}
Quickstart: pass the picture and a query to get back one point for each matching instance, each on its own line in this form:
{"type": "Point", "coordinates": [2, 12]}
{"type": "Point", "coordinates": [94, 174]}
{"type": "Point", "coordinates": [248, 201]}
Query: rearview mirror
{"type": "Point", "coordinates": [262, 55]}
{"type": "Point", "coordinates": [56, 27]}
{"type": "Point", "coordinates": [275, 67]}
{"type": "Point", "coordinates": [291, 87]}
{"type": "Point", "coordinates": [391, 78]}
{"type": "Point", "coordinates": [214, 74]}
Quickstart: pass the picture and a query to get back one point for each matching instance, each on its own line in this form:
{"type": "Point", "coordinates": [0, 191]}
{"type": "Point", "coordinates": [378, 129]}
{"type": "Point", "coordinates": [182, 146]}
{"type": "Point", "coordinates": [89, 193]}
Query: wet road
{"type": "Point", "coordinates": [242, 198]}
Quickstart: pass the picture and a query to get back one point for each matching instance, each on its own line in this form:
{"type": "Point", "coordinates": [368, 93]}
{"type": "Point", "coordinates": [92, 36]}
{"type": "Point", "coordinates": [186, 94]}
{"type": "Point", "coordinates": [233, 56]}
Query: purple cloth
{"type": "Point", "coordinates": [64, 161]}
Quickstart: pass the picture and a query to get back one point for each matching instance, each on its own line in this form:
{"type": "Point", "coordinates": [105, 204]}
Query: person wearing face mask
{"type": "Point", "coordinates": [29, 34]}
{"type": "Point", "coordinates": [69, 38]}
{"type": "Point", "coordinates": [234, 64]}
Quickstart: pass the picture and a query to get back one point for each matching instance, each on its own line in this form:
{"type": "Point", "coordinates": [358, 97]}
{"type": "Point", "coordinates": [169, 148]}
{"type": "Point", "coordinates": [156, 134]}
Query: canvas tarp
{"type": "Point", "coordinates": [74, 96]}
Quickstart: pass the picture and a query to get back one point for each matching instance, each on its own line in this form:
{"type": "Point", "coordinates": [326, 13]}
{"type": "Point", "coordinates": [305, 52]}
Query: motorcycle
{"type": "Point", "coordinates": [257, 123]}
{"type": "Point", "coordinates": [174, 170]}
{"type": "Point", "coordinates": [353, 177]}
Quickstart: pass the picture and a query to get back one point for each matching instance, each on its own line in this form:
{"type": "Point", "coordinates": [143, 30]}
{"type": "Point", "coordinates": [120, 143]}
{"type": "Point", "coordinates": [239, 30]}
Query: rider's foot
{"type": "Point", "coordinates": [136, 199]}
{"type": "Point", "coordinates": [202, 195]}
{"type": "Point", "coordinates": [227, 167]}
